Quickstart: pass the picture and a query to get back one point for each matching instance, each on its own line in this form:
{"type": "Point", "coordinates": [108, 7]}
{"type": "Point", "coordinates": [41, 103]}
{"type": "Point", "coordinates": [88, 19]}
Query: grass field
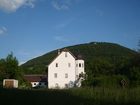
{"type": "Point", "coordinates": [81, 96]}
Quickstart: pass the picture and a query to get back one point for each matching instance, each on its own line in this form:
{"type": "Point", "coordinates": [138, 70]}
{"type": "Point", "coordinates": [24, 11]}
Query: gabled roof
{"type": "Point", "coordinates": [36, 78]}
{"type": "Point", "coordinates": [64, 50]}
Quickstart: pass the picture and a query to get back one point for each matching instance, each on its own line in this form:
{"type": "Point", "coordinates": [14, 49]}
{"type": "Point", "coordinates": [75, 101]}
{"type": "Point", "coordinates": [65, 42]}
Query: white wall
{"type": "Point", "coordinates": [63, 67]}
{"type": "Point", "coordinates": [80, 66]}
{"type": "Point", "coordinates": [15, 83]}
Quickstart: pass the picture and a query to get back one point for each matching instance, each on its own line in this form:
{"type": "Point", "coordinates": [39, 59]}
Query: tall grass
{"type": "Point", "coordinates": [76, 96]}
{"type": "Point", "coordinates": [113, 96]}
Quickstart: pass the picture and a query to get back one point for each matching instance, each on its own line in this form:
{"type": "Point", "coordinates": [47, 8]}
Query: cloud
{"type": "Point", "coordinates": [13, 5]}
{"type": "Point", "coordinates": [3, 30]}
{"type": "Point", "coordinates": [30, 3]}
{"type": "Point", "coordinates": [64, 4]}
{"type": "Point", "coordinates": [60, 5]}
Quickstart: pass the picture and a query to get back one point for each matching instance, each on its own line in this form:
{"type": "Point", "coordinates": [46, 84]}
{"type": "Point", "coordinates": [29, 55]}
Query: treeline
{"type": "Point", "coordinates": [106, 73]}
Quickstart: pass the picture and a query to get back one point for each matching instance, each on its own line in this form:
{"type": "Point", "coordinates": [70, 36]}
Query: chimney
{"type": "Point", "coordinates": [59, 51]}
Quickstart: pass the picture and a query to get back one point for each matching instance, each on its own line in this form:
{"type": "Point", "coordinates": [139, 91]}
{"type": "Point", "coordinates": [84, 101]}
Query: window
{"type": "Point", "coordinates": [34, 83]}
{"type": "Point", "coordinates": [69, 65]}
{"type": "Point", "coordinates": [82, 64]}
{"type": "Point", "coordinates": [79, 64]}
{"type": "Point", "coordinates": [66, 75]}
{"type": "Point", "coordinates": [76, 65]}
{"type": "Point", "coordinates": [56, 65]}
{"type": "Point", "coordinates": [55, 75]}
{"type": "Point", "coordinates": [66, 54]}
{"type": "Point", "coordinates": [39, 83]}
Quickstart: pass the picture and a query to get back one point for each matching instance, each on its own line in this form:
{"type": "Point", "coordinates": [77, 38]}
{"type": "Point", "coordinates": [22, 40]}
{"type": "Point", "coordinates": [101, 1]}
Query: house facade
{"type": "Point", "coordinates": [65, 70]}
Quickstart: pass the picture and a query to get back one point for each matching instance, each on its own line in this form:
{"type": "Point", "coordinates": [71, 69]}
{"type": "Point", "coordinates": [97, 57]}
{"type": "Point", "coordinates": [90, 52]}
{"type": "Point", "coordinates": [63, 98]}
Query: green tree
{"type": "Point", "coordinates": [12, 68]}
{"type": "Point", "coordinates": [2, 69]}
{"type": "Point", "coordinates": [9, 67]}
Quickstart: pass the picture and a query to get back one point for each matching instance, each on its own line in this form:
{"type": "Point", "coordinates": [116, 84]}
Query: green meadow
{"type": "Point", "coordinates": [76, 96]}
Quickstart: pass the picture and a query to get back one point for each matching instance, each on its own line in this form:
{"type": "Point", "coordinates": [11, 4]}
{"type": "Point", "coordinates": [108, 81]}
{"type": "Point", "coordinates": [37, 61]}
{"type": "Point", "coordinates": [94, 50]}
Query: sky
{"type": "Point", "coordinates": [30, 28]}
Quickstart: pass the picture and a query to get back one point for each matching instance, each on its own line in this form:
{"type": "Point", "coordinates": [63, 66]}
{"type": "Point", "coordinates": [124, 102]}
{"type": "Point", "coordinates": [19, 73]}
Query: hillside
{"type": "Point", "coordinates": [91, 52]}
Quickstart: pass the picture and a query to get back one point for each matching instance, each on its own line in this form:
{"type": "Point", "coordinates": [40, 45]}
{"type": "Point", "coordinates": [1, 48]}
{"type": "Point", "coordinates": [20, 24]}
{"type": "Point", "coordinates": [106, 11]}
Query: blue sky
{"type": "Point", "coordinates": [30, 28]}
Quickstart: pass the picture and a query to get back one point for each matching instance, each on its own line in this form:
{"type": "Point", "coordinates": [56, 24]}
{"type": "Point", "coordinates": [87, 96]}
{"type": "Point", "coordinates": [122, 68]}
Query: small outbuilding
{"type": "Point", "coordinates": [10, 83]}
{"type": "Point", "coordinates": [37, 80]}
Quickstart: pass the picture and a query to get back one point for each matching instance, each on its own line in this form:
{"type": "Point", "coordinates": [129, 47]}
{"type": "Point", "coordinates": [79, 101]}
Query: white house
{"type": "Point", "coordinates": [65, 71]}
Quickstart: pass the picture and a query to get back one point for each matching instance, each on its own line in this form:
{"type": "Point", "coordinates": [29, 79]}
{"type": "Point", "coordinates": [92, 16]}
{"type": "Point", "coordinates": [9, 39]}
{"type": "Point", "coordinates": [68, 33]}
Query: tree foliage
{"type": "Point", "coordinates": [9, 67]}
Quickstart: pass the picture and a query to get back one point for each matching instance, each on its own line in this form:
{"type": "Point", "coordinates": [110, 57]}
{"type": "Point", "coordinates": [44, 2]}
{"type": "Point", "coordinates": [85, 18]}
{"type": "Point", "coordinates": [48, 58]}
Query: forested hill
{"type": "Point", "coordinates": [109, 54]}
